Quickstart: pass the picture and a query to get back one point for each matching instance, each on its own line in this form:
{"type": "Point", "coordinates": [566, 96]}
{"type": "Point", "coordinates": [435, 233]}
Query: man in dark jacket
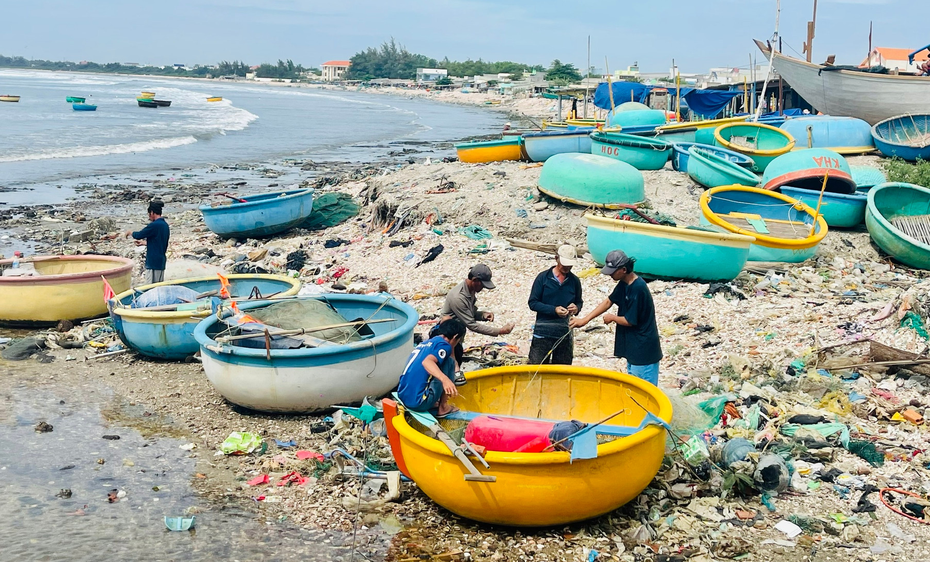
{"type": "Point", "coordinates": [555, 297]}
{"type": "Point", "coordinates": [155, 234]}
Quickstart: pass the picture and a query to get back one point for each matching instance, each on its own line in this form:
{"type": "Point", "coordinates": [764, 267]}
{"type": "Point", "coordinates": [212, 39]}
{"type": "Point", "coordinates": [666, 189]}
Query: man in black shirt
{"type": "Point", "coordinates": [555, 297]}
{"type": "Point", "coordinates": [155, 236]}
{"type": "Point", "coordinates": [637, 337]}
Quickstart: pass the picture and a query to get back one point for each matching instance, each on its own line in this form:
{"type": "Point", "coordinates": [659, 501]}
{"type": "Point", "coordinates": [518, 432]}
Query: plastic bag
{"type": "Point", "coordinates": [714, 407]}
{"type": "Point", "coordinates": [165, 295]}
{"type": "Point", "coordinates": [240, 443]}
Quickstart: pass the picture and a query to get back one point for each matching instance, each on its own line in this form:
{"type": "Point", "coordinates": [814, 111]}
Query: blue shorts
{"type": "Point", "coordinates": [431, 396]}
{"type": "Point", "coordinates": [649, 373]}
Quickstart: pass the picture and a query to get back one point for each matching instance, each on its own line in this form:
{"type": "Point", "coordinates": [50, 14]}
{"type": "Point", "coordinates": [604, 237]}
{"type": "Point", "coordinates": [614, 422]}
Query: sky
{"type": "Point", "coordinates": [697, 34]}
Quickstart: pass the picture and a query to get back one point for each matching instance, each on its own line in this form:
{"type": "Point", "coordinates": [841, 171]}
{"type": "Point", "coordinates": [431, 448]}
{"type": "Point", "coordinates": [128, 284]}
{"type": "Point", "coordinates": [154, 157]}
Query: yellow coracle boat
{"type": "Point", "coordinates": [215, 98]}
{"type": "Point", "coordinates": [64, 288]}
{"type": "Point", "coordinates": [510, 148]}
{"type": "Point", "coordinates": [543, 488]}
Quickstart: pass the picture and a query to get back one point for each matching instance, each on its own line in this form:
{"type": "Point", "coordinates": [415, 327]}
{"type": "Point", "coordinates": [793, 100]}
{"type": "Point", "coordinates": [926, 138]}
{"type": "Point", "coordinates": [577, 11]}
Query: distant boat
{"type": "Point", "coordinates": [75, 99]}
{"type": "Point", "coordinates": [162, 103]}
{"type": "Point", "coordinates": [9, 98]}
{"type": "Point", "coordinates": [215, 98]}
{"type": "Point", "coordinates": [145, 103]}
{"type": "Point", "coordinates": [147, 95]}
{"type": "Point", "coordinates": [83, 107]}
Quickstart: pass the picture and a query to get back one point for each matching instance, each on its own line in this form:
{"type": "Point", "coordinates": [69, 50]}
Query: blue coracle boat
{"type": "Point", "coordinates": [711, 170]}
{"type": "Point", "coordinates": [260, 215]}
{"type": "Point", "coordinates": [169, 334]}
{"type": "Point", "coordinates": [898, 219]}
{"type": "Point", "coordinates": [843, 135]}
{"type": "Point", "coordinates": [680, 155]}
{"type": "Point", "coordinates": [540, 146]}
{"type": "Point", "coordinates": [838, 209]}
{"type": "Point", "coordinates": [590, 180]}
{"type": "Point", "coordinates": [666, 252]}
{"type": "Point", "coordinates": [83, 107]}
{"type": "Point", "coordinates": [905, 136]}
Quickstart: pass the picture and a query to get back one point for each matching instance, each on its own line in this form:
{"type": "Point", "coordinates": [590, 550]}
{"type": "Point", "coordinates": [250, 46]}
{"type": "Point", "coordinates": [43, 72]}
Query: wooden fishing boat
{"type": "Point", "coordinates": [904, 136]}
{"type": "Point", "coordinates": [310, 379]}
{"type": "Point", "coordinates": [687, 131]}
{"type": "Point", "coordinates": [162, 103]}
{"type": "Point", "coordinates": [807, 169]}
{"type": "Point", "coordinates": [898, 219]}
{"type": "Point", "coordinates": [540, 146]}
{"type": "Point", "coordinates": [838, 209]}
{"type": "Point", "coordinates": [9, 98]}
{"type": "Point", "coordinates": [83, 107]}
{"type": "Point", "coordinates": [591, 181]}
{"type": "Point", "coordinates": [539, 489]}
{"type": "Point", "coordinates": [260, 215]}
{"type": "Point", "coordinates": [167, 332]}
{"type": "Point", "coordinates": [843, 135]}
{"type": "Point", "coordinates": [672, 253]}
{"type": "Point", "coordinates": [713, 170]}
{"type": "Point", "coordinates": [842, 91]}
{"type": "Point", "coordinates": [680, 155]}
{"type": "Point", "coordinates": [65, 288]}
{"type": "Point", "coordinates": [145, 103]}
{"type": "Point", "coordinates": [75, 99]}
{"type": "Point", "coordinates": [490, 151]}
{"type": "Point", "coordinates": [762, 143]}
{"type": "Point", "coordinates": [642, 153]}
{"type": "Point", "coordinates": [215, 98]}
{"type": "Point", "coordinates": [785, 229]}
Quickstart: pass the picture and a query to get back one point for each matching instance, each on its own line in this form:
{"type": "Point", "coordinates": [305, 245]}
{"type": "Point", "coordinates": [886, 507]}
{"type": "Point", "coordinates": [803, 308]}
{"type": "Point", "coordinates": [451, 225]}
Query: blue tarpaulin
{"type": "Point", "coordinates": [706, 103]}
{"type": "Point", "coordinates": [622, 92]}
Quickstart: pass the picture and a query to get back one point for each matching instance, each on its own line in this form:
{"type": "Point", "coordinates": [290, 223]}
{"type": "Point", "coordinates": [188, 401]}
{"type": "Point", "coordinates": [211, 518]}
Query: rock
{"type": "Point", "coordinates": [80, 236]}
{"type": "Point", "coordinates": [540, 206]}
{"type": "Point", "coordinates": [44, 427]}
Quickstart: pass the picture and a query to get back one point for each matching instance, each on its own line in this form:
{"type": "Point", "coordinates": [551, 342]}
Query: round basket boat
{"type": "Point", "coordinates": [65, 288]}
{"type": "Point", "coordinates": [544, 488]}
{"type": "Point", "coordinates": [541, 146]}
{"type": "Point", "coordinates": [712, 170]}
{"type": "Point", "coordinates": [591, 180]}
{"type": "Point", "coordinates": [807, 168]}
{"type": "Point", "coordinates": [259, 215]}
{"type": "Point", "coordinates": [642, 153]}
{"type": "Point", "coordinates": [904, 136]}
{"type": "Point", "coordinates": [680, 155]}
{"type": "Point", "coordinates": [838, 209]}
{"type": "Point", "coordinates": [843, 135]}
{"type": "Point", "coordinates": [898, 219]}
{"type": "Point", "coordinates": [762, 143]}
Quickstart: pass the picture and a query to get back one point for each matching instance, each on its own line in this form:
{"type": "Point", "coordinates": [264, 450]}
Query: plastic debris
{"type": "Point", "coordinates": [240, 443]}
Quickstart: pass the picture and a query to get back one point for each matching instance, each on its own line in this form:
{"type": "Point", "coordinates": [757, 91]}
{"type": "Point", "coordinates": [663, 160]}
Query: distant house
{"type": "Point", "coordinates": [431, 74]}
{"type": "Point", "coordinates": [895, 59]}
{"type": "Point", "coordinates": [334, 69]}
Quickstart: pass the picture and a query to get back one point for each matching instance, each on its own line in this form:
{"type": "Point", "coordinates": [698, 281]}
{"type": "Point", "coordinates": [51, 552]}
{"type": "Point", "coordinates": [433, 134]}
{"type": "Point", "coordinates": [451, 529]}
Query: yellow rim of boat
{"type": "Point", "coordinates": [768, 152]}
{"type": "Point", "coordinates": [701, 124]}
{"type": "Point", "coordinates": [581, 203]}
{"type": "Point", "coordinates": [611, 447]}
{"type": "Point", "coordinates": [672, 232]}
{"type": "Point", "coordinates": [764, 239]}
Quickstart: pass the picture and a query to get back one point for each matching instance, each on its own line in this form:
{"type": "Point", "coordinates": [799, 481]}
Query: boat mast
{"type": "Point", "coordinates": [774, 47]}
{"type": "Point", "coordinates": [808, 47]}
{"type": "Point", "coordinates": [587, 74]}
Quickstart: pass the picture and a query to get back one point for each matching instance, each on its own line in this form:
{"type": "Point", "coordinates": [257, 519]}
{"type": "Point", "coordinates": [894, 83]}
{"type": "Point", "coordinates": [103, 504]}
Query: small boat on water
{"type": "Point", "coordinates": [762, 143]}
{"type": "Point", "coordinates": [667, 252]}
{"type": "Point", "coordinates": [147, 95]}
{"type": "Point", "coordinates": [162, 103]}
{"type": "Point", "coordinates": [147, 103]}
{"type": "Point", "coordinates": [158, 320]}
{"type": "Point", "coordinates": [490, 151]}
{"type": "Point", "coordinates": [643, 153]}
{"type": "Point", "coordinates": [785, 229]}
{"type": "Point", "coordinates": [83, 107]}
{"type": "Point", "coordinates": [904, 136]}
{"type": "Point", "coordinates": [843, 135]}
{"type": "Point", "coordinates": [842, 210]}
{"type": "Point", "coordinates": [680, 155]}
{"type": "Point", "coordinates": [75, 99]}
{"type": "Point", "coordinates": [48, 289]}
{"type": "Point", "coordinates": [538, 489]}
{"type": "Point", "coordinates": [898, 219]}
{"type": "Point", "coordinates": [540, 146]}
{"type": "Point", "coordinates": [259, 215]}
{"type": "Point", "coordinates": [9, 98]}
{"type": "Point", "coordinates": [322, 371]}
{"type": "Point", "coordinates": [590, 180]}
{"type": "Point", "coordinates": [710, 169]}
{"type": "Point", "coordinates": [215, 98]}
{"type": "Point", "coordinates": [807, 169]}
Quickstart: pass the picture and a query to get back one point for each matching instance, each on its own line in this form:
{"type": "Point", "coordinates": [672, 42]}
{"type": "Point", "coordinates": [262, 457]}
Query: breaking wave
{"type": "Point", "coordinates": [84, 151]}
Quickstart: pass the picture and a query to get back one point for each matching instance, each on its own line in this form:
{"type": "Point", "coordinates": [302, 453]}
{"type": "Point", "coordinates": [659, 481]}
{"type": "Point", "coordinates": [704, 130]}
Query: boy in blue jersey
{"type": "Point", "coordinates": [427, 380]}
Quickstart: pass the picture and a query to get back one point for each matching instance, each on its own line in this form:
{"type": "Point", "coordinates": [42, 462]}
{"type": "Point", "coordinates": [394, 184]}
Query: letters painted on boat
{"type": "Point", "coordinates": [807, 169]}
{"type": "Point", "coordinates": [904, 136]}
{"type": "Point", "coordinates": [898, 219]}
{"type": "Point", "coordinates": [642, 153]}
{"type": "Point", "coordinates": [260, 215]}
{"type": "Point", "coordinates": [843, 135]}
{"type": "Point", "coordinates": [490, 151]}
{"type": "Point", "coordinates": [591, 180]}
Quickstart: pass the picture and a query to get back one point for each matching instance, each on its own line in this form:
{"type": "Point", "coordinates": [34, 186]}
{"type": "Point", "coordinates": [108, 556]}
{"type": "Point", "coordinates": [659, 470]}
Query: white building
{"type": "Point", "coordinates": [894, 59]}
{"type": "Point", "coordinates": [334, 69]}
{"type": "Point", "coordinates": [431, 74]}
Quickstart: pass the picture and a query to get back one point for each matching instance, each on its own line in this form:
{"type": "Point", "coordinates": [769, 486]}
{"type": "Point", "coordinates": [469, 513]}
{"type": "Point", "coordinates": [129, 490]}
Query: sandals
{"type": "Point", "coordinates": [447, 414]}
{"type": "Point", "coordinates": [459, 379]}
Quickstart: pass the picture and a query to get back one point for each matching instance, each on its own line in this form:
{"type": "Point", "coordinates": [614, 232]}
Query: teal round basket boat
{"type": "Point", "coordinates": [712, 170]}
{"type": "Point", "coordinates": [591, 180]}
{"type": "Point", "coordinates": [867, 177]}
{"type": "Point", "coordinates": [259, 215]}
{"type": "Point", "coordinates": [762, 143]}
{"type": "Point", "coordinates": [843, 135]}
{"type": "Point", "coordinates": [640, 152]}
{"type": "Point", "coordinates": [632, 114]}
{"type": "Point", "coordinates": [898, 219]}
{"type": "Point", "coordinates": [838, 209]}
{"type": "Point", "coordinates": [807, 168]}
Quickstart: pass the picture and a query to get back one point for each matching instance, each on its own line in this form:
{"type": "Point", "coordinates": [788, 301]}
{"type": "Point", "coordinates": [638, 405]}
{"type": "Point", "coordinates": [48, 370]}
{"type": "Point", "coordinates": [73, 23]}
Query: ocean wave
{"type": "Point", "coordinates": [85, 151]}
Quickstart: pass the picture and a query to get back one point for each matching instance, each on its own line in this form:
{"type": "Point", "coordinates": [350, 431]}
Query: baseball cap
{"type": "Point", "coordinates": [567, 255]}
{"type": "Point", "coordinates": [482, 273]}
{"type": "Point", "coordinates": [615, 260]}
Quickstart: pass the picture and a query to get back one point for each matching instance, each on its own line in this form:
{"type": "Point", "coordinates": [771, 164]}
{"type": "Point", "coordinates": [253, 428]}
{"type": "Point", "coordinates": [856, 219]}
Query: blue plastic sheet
{"type": "Point", "coordinates": [622, 93]}
{"type": "Point", "coordinates": [165, 295]}
{"type": "Point", "coordinates": [708, 103]}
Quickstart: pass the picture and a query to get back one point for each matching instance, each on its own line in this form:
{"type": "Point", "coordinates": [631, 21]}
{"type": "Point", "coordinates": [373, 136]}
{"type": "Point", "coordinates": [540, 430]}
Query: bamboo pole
{"type": "Point", "coordinates": [819, 201]}
{"type": "Point", "coordinates": [678, 96]}
{"type": "Point", "coordinates": [610, 86]}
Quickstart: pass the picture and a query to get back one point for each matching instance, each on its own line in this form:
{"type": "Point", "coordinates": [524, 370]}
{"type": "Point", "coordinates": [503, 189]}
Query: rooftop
{"type": "Point", "coordinates": [337, 63]}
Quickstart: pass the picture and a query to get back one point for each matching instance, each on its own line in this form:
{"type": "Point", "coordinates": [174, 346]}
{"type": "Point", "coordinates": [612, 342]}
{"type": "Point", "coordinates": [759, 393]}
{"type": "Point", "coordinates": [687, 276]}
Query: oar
{"type": "Point", "coordinates": [233, 197]}
{"type": "Point", "coordinates": [300, 331]}
{"type": "Point", "coordinates": [585, 428]}
{"type": "Point", "coordinates": [819, 201]}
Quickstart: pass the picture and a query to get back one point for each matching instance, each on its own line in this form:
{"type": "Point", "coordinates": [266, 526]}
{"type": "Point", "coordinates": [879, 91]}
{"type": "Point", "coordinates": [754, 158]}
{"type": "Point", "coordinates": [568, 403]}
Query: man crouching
{"type": "Point", "coordinates": [427, 380]}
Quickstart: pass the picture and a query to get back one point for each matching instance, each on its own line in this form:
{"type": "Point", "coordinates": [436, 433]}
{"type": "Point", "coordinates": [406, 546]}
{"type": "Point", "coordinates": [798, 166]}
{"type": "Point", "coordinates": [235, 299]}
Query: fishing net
{"type": "Point", "coordinates": [329, 210]}
{"type": "Point", "coordinates": [307, 314]}
{"type": "Point", "coordinates": [631, 215]}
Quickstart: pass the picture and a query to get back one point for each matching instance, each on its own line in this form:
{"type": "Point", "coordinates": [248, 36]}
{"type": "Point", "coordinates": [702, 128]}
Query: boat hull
{"type": "Point", "coordinates": [671, 253]}
{"type": "Point", "coordinates": [680, 155]}
{"type": "Point", "coordinates": [642, 153]}
{"type": "Point", "coordinates": [544, 489]}
{"type": "Point", "coordinates": [711, 170]}
{"type": "Point", "coordinates": [314, 379]}
{"type": "Point", "coordinates": [807, 169]}
{"type": "Point", "coordinates": [903, 137]}
{"type": "Point", "coordinates": [170, 334]}
{"type": "Point", "coordinates": [73, 99]}
{"type": "Point", "coordinates": [887, 201]}
{"type": "Point", "coordinates": [11, 99]}
{"type": "Point", "coordinates": [770, 142]}
{"type": "Point", "coordinates": [839, 210]}
{"type": "Point", "coordinates": [591, 180]}
{"type": "Point", "coordinates": [540, 147]}
{"type": "Point", "coordinates": [843, 135]}
{"type": "Point", "coordinates": [83, 107]}
{"type": "Point", "coordinates": [261, 215]}
{"type": "Point", "coordinates": [69, 288]}
{"type": "Point", "coordinates": [490, 151]}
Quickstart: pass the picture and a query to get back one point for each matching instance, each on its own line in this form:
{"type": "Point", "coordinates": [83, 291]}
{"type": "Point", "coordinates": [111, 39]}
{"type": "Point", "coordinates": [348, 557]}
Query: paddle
{"type": "Point", "coordinates": [819, 201]}
{"type": "Point", "coordinates": [233, 197]}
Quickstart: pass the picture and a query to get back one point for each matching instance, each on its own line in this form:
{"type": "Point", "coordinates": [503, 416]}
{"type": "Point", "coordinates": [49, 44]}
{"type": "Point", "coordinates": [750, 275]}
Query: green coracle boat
{"type": "Point", "coordinates": [642, 153]}
{"type": "Point", "coordinates": [75, 99]}
{"type": "Point", "coordinates": [592, 181]}
{"type": "Point", "coordinates": [898, 219]}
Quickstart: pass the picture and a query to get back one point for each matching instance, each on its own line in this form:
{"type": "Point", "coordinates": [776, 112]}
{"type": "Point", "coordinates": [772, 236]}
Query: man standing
{"type": "Point", "coordinates": [155, 234]}
{"type": "Point", "coordinates": [556, 296]}
{"type": "Point", "coordinates": [427, 379]}
{"type": "Point", "coordinates": [637, 337]}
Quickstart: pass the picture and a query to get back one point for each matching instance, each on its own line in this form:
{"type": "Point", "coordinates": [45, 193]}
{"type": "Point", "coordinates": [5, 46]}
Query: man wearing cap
{"type": "Point", "coordinates": [637, 337]}
{"type": "Point", "coordinates": [155, 236]}
{"type": "Point", "coordinates": [461, 302]}
{"type": "Point", "coordinates": [555, 297]}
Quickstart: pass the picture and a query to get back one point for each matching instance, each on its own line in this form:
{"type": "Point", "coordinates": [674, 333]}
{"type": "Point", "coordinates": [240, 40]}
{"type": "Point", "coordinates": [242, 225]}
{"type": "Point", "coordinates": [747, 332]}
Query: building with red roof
{"type": "Point", "coordinates": [334, 69]}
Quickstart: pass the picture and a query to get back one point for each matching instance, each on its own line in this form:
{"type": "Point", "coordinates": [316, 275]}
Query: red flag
{"type": "Point", "coordinates": [224, 286]}
{"type": "Point", "coordinates": [107, 290]}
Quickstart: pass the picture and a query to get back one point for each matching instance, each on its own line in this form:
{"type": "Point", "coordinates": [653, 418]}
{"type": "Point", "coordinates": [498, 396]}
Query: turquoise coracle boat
{"type": "Point", "coordinates": [540, 146]}
{"type": "Point", "coordinates": [167, 331]}
{"type": "Point", "coordinates": [642, 153]}
{"type": "Point", "coordinates": [666, 252]}
{"type": "Point", "coordinates": [843, 135]}
{"type": "Point", "coordinates": [680, 155]}
{"type": "Point", "coordinates": [711, 170]}
{"type": "Point", "coordinates": [904, 136]}
{"type": "Point", "coordinates": [898, 219]}
{"type": "Point", "coordinates": [838, 209]}
{"type": "Point", "coordinates": [256, 216]}
{"type": "Point", "coordinates": [762, 143]}
{"type": "Point", "coordinates": [591, 180]}
{"type": "Point", "coordinates": [807, 169]}
{"type": "Point", "coordinates": [634, 114]}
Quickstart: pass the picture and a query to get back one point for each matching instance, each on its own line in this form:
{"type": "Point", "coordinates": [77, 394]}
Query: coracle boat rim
{"type": "Point", "coordinates": [274, 196]}
{"type": "Point", "coordinates": [745, 150]}
{"type": "Point", "coordinates": [885, 140]}
{"type": "Point", "coordinates": [883, 220]}
{"type": "Point", "coordinates": [126, 264]}
{"type": "Point", "coordinates": [614, 224]}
